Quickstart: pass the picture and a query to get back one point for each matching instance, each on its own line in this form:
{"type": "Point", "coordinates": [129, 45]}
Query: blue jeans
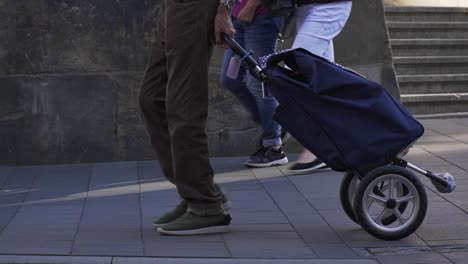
{"type": "Point", "coordinates": [260, 37]}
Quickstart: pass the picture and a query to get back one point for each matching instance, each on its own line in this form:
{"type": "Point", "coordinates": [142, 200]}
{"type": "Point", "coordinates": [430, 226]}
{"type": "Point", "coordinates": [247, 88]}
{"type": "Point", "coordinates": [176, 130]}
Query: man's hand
{"type": "Point", "coordinates": [223, 24]}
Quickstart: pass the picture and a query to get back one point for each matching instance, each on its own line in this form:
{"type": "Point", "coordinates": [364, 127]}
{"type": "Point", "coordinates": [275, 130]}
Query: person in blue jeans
{"type": "Point", "coordinates": [256, 31]}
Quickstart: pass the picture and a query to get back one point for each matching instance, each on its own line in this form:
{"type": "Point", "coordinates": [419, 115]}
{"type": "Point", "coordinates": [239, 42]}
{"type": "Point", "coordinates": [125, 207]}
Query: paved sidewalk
{"type": "Point", "coordinates": [102, 213]}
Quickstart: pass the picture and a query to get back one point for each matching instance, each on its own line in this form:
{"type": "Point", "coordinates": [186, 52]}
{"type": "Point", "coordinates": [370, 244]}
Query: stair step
{"type": "Point", "coordinates": [444, 115]}
{"type": "Point", "coordinates": [421, 104]}
{"type": "Point", "coordinates": [424, 14]}
{"type": "Point", "coordinates": [441, 83]}
{"type": "Point", "coordinates": [431, 65]}
{"type": "Point", "coordinates": [428, 30]}
{"type": "Point", "coordinates": [429, 47]}
{"type": "Point", "coordinates": [438, 97]}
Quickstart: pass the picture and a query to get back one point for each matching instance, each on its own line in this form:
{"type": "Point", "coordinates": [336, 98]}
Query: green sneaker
{"type": "Point", "coordinates": [192, 224]}
{"type": "Point", "coordinates": [181, 209]}
{"type": "Point", "coordinates": [225, 203]}
{"type": "Point", "coordinates": [172, 215]}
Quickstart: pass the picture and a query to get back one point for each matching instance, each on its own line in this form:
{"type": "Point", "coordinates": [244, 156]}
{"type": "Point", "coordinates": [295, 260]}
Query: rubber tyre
{"type": "Point", "coordinates": [344, 196]}
{"type": "Point", "coordinates": [348, 206]}
{"type": "Point", "coordinates": [358, 203]}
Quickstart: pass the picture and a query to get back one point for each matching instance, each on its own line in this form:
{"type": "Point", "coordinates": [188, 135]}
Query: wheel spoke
{"type": "Point", "coordinates": [369, 203]}
{"type": "Point", "coordinates": [378, 219]}
{"type": "Point", "coordinates": [400, 217]}
{"type": "Point", "coordinates": [391, 188]}
{"type": "Point", "coordinates": [381, 200]}
{"type": "Point", "coordinates": [383, 187]}
{"type": "Point", "coordinates": [404, 199]}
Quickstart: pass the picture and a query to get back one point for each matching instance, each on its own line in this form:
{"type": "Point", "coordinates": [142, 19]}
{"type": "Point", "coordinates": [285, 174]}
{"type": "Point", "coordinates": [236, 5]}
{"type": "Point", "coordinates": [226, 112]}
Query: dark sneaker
{"type": "Point", "coordinates": [181, 209]}
{"type": "Point", "coordinates": [192, 224]}
{"type": "Point", "coordinates": [308, 167]}
{"type": "Point", "coordinates": [266, 157]}
{"type": "Point", "coordinates": [172, 215]}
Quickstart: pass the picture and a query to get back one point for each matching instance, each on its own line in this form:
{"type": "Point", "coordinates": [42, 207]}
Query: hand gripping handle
{"type": "Point", "coordinates": [246, 56]}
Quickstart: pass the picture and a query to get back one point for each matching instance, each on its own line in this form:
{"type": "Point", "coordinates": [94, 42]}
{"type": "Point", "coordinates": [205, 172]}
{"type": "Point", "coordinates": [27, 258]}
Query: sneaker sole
{"type": "Point", "coordinates": [201, 231]}
{"type": "Point", "coordinates": [226, 206]}
{"type": "Point", "coordinates": [269, 164]}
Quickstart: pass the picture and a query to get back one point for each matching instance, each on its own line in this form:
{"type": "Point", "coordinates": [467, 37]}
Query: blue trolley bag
{"type": "Point", "coordinates": [349, 122]}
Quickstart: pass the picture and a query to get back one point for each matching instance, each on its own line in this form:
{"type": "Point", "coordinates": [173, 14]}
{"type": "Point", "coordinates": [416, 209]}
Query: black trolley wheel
{"type": "Point", "coordinates": [390, 203]}
{"type": "Point", "coordinates": [348, 189]}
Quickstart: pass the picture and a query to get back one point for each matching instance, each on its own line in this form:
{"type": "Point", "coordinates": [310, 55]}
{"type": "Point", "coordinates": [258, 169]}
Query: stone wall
{"type": "Point", "coordinates": [365, 47]}
{"type": "Point", "coordinates": [70, 70]}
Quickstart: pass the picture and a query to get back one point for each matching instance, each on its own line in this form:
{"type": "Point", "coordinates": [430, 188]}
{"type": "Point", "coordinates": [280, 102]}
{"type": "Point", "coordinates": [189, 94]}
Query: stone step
{"type": "Point", "coordinates": [431, 65]}
{"type": "Point", "coordinates": [427, 84]}
{"type": "Point", "coordinates": [426, 14]}
{"type": "Point", "coordinates": [429, 47]}
{"type": "Point", "coordinates": [428, 30]}
{"type": "Point", "coordinates": [423, 104]}
{"type": "Point", "coordinates": [442, 116]}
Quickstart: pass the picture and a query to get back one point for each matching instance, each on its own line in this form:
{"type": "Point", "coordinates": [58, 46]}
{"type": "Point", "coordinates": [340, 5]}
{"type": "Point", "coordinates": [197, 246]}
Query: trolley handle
{"type": "Point", "coordinates": [246, 56]}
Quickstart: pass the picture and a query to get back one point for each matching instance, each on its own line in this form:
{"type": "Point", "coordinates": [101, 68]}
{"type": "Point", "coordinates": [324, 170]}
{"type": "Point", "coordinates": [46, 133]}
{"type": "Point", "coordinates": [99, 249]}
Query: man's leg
{"type": "Point", "coordinates": [153, 107]}
{"type": "Point", "coordinates": [189, 44]}
{"type": "Point", "coordinates": [153, 99]}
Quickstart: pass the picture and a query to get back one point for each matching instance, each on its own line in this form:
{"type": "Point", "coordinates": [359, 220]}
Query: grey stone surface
{"type": "Point", "coordinates": [458, 258]}
{"type": "Point", "coordinates": [431, 65]}
{"type": "Point", "coordinates": [65, 36]}
{"type": "Point", "coordinates": [4, 173]}
{"type": "Point", "coordinates": [430, 258]}
{"type": "Point", "coordinates": [240, 261]}
{"type": "Point", "coordinates": [14, 192]}
{"type": "Point", "coordinates": [106, 209]}
{"type": "Point", "coordinates": [423, 14]}
{"type": "Point", "coordinates": [277, 248]}
{"type": "Point", "coordinates": [427, 30]}
{"type": "Point", "coordinates": [17, 259]}
{"type": "Point", "coordinates": [59, 118]}
{"type": "Point", "coordinates": [50, 213]}
{"type": "Point", "coordinates": [429, 49]}
{"type": "Point", "coordinates": [333, 250]}
{"type": "Point", "coordinates": [188, 249]}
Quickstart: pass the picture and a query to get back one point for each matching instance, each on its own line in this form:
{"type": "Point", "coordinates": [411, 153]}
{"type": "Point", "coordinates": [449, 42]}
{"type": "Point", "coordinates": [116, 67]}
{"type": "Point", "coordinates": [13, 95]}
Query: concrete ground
{"type": "Point", "coordinates": [102, 213]}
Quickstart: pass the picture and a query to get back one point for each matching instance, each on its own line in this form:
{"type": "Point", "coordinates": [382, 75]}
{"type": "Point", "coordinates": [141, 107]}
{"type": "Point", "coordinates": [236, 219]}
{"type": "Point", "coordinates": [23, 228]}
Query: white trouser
{"type": "Point", "coordinates": [318, 24]}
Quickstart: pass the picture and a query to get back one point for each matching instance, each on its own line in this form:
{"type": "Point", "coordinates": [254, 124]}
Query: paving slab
{"type": "Point", "coordinates": [458, 257]}
{"type": "Point", "coordinates": [18, 259]}
{"type": "Point", "coordinates": [66, 211]}
{"type": "Point", "coordinates": [240, 261]}
{"type": "Point", "coordinates": [429, 258]}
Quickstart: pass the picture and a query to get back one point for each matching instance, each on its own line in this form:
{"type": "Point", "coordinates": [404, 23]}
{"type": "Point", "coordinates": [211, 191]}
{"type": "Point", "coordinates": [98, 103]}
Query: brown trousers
{"type": "Point", "coordinates": [174, 99]}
